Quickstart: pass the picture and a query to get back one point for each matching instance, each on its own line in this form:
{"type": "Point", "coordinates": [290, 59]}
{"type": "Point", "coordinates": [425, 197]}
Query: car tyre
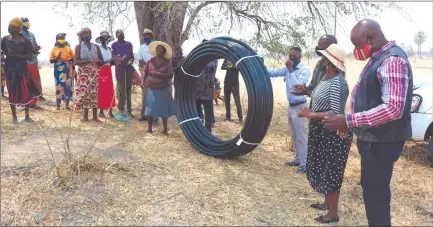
{"type": "Point", "coordinates": [430, 147]}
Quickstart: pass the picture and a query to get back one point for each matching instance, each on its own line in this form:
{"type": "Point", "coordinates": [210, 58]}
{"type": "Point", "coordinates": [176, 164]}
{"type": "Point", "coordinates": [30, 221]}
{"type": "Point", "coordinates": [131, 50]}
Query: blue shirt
{"type": "Point", "coordinates": [28, 35]}
{"type": "Point", "coordinates": [300, 75]}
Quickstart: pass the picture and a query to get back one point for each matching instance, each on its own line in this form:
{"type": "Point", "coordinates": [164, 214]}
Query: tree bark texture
{"type": "Point", "coordinates": [165, 19]}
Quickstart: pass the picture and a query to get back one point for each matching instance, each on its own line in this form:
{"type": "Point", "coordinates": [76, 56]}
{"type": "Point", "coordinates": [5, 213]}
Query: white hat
{"type": "Point", "coordinates": [152, 48]}
{"type": "Point", "coordinates": [148, 31]}
{"type": "Point", "coordinates": [336, 55]}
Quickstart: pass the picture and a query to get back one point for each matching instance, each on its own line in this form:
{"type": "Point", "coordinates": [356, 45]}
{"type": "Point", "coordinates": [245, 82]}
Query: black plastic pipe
{"type": "Point", "coordinates": [260, 98]}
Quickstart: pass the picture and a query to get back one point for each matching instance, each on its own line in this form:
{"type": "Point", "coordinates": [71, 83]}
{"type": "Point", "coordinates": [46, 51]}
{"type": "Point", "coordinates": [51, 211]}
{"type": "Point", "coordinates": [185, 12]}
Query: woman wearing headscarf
{"type": "Point", "coordinates": [106, 97]}
{"type": "Point", "coordinates": [62, 57]}
{"type": "Point", "coordinates": [21, 88]}
{"type": "Point", "coordinates": [88, 57]}
{"type": "Point", "coordinates": [158, 73]}
{"type": "Point", "coordinates": [328, 151]}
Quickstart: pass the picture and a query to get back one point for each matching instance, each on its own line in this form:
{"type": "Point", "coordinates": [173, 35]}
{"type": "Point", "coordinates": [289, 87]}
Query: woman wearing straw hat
{"type": "Point", "coordinates": [106, 97]}
{"type": "Point", "coordinates": [157, 73]}
{"type": "Point", "coordinates": [21, 88]}
{"type": "Point", "coordinates": [328, 151]}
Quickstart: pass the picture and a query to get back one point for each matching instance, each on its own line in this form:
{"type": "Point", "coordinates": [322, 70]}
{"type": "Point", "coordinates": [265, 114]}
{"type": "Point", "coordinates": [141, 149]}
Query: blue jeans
{"type": "Point", "coordinates": [377, 164]}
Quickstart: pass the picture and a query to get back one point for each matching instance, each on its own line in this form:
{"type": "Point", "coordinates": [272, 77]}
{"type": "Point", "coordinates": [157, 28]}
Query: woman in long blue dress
{"type": "Point", "coordinates": [158, 73]}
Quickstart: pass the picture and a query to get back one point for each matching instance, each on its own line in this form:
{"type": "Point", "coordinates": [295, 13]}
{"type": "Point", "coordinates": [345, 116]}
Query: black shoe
{"type": "Point", "coordinates": [142, 118]}
{"type": "Point", "coordinates": [321, 219]}
{"type": "Point", "coordinates": [292, 163]}
{"type": "Point", "coordinates": [318, 206]}
{"type": "Point", "coordinates": [301, 169]}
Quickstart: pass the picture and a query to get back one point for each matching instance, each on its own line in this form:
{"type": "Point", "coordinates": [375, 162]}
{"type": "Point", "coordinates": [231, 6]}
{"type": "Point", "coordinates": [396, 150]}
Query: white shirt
{"type": "Point", "coordinates": [106, 53]}
{"type": "Point", "coordinates": [144, 53]}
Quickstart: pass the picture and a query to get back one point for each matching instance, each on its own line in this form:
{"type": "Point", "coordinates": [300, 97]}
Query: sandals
{"type": "Point", "coordinates": [319, 206]}
{"type": "Point", "coordinates": [321, 219]}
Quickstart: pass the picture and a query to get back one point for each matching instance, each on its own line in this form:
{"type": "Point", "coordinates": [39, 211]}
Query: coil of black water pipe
{"type": "Point", "coordinates": [260, 98]}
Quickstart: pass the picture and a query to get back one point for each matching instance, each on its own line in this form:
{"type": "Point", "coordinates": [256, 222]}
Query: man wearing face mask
{"type": "Point", "coordinates": [319, 71]}
{"type": "Point", "coordinates": [123, 49]}
{"type": "Point", "coordinates": [380, 115]}
{"type": "Point", "coordinates": [295, 72]}
{"type": "Point", "coordinates": [143, 57]}
{"type": "Point", "coordinates": [32, 64]}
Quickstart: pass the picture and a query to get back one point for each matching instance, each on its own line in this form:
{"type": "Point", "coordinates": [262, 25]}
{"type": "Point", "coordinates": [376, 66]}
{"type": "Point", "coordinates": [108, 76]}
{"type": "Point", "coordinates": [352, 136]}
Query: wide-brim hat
{"type": "Point", "coordinates": [336, 55]}
{"type": "Point", "coordinates": [148, 31]}
{"type": "Point", "coordinates": [104, 34]}
{"type": "Point", "coordinates": [152, 48]}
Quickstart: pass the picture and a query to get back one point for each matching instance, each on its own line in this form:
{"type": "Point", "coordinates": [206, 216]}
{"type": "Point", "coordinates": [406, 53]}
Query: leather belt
{"type": "Point", "coordinates": [298, 103]}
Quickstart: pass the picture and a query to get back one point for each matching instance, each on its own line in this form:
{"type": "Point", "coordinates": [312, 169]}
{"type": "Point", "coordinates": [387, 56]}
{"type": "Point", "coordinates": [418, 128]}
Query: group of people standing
{"type": "Point", "coordinates": [380, 101]}
{"type": "Point", "coordinates": [91, 85]}
{"type": "Point", "coordinates": [379, 117]}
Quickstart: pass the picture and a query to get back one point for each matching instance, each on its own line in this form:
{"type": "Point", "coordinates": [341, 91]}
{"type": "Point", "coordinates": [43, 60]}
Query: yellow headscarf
{"type": "Point", "coordinates": [16, 22]}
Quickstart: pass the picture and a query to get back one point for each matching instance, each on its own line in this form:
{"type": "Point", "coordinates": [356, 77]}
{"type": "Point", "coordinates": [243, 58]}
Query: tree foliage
{"type": "Point", "coordinates": [272, 26]}
{"type": "Point", "coordinates": [410, 51]}
{"type": "Point", "coordinates": [103, 14]}
{"type": "Point", "coordinates": [419, 39]}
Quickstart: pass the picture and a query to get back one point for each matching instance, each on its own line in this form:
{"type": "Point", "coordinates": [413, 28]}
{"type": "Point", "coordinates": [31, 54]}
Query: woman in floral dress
{"type": "Point", "coordinates": [89, 58]}
{"type": "Point", "coordinates": [62, 57]}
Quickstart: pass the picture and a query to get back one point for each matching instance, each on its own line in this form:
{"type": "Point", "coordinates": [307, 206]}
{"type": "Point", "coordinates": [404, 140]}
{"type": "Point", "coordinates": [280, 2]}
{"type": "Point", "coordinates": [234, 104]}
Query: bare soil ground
{"type": "Point", "coordinates": [133, 178]}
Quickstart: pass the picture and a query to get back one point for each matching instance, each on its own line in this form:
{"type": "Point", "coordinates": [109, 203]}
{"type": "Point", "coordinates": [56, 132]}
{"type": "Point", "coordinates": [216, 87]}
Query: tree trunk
{"type": "Point", "coordinates": [165, 19]}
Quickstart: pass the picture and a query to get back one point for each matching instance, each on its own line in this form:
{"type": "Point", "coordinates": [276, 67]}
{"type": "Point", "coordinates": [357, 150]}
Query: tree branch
{"type": "Point", "coordinates": [185, 34]}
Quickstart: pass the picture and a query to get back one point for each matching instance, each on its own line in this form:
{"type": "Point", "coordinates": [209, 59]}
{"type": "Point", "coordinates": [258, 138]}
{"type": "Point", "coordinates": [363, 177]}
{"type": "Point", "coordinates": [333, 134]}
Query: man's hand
{"type": "Point", "coordinates": [305, 112]}
{"type": "Point", "coordinates": [130, 61]}
{"type": "Point", "coordinates": [37, 48]}
{"type": "Point", "coordinates": [300, 90]}
{"type": "Point", "coordinates": [336, 122]}
{"type": "Point", "coordinates": [289, 65]}
{"type": "Point", "coordinates": [117, 60]}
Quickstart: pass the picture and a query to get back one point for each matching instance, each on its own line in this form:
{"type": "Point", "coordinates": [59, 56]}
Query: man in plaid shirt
{"type": "Point", "coordinates": [380, 115]}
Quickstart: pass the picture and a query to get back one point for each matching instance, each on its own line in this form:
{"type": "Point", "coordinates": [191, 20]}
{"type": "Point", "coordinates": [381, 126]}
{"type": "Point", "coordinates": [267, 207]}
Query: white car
{"type": "Point", "coordinates": [422, 111]}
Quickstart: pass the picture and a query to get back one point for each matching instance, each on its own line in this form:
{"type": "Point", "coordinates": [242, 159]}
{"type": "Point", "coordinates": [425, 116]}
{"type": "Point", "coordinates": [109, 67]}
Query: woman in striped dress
{"type": "Point", "coordinates": [88, 57]}
{"type": "Point", "coordinates": [328, 151]}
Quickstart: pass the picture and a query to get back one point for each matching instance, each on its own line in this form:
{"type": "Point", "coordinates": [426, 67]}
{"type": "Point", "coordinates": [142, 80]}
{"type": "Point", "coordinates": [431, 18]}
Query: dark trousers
{"type": "Point", "coordinates": [377, 164]}
{"type": "Point", "coordinates": [123, 89]}
{"type": "Point", "coordinates": [230, 88]}
{"type": "Point", "coordinates": [207, 106]}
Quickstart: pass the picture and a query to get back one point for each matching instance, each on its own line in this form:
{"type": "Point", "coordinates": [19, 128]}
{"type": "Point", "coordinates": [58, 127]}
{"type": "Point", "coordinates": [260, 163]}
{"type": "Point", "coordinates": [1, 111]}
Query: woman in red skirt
{"type": "Point", "coordinates": [106, 95]}
{"type": "Point", "coordinates": [21, 88]}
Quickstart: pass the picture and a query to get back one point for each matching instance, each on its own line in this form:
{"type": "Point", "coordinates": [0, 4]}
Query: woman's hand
{"type": "Point", "coordinates": [155, 73]}
{"type": "Point", "coordinates": [343, 134]}
{"type": "Point", "coordinates": [305, 112]}
{"type": "Point", "coordinates": [94, 60]}
{"type": "Point", "coordinates": [59, 56]}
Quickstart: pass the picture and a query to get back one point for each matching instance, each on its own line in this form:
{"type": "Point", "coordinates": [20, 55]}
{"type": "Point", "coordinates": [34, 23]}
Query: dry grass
{"type": "Point", "coordinates": [134, 178]}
